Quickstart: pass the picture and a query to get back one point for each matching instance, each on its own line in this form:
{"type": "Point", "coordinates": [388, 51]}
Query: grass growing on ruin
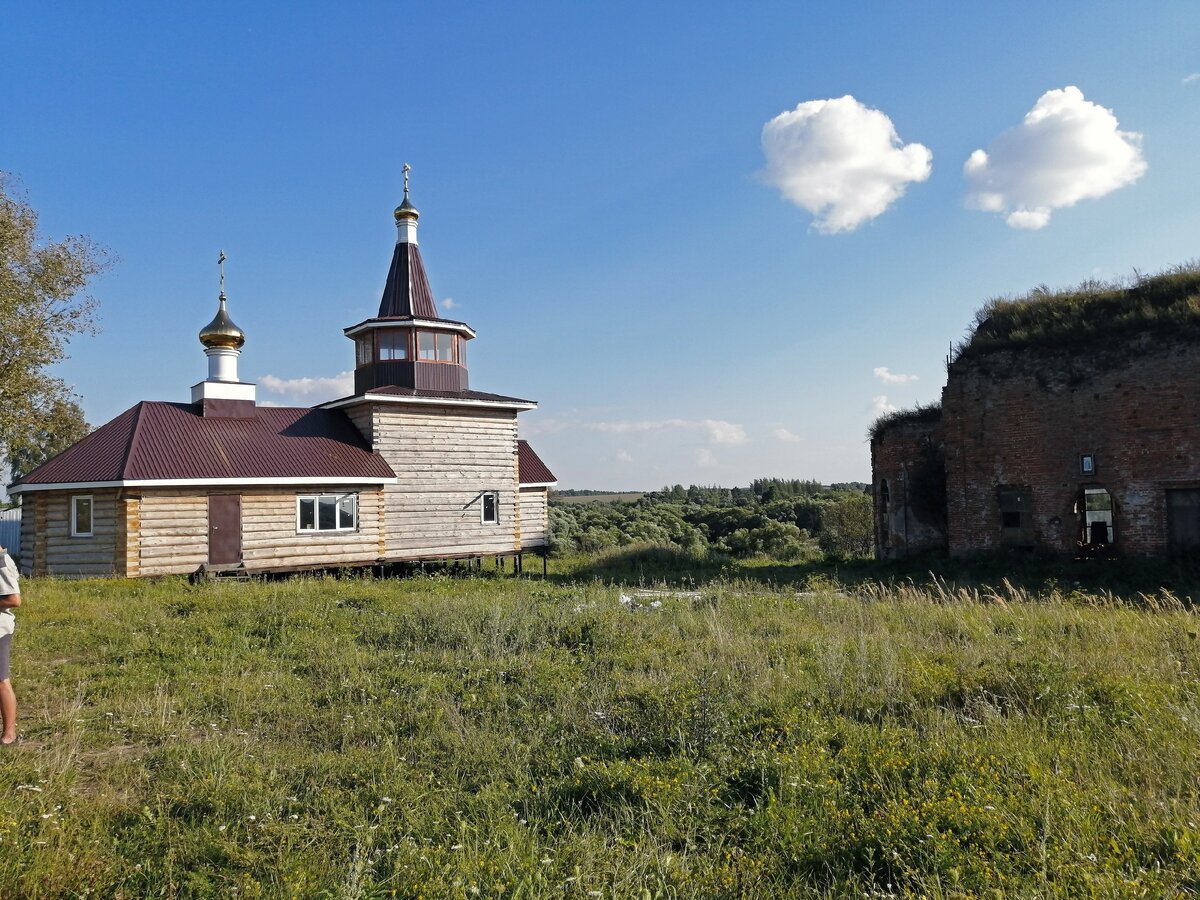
{"type": "Point", "coordinates": [495, 737]}
{"type": "Point", "coordinates": [1167, 303]}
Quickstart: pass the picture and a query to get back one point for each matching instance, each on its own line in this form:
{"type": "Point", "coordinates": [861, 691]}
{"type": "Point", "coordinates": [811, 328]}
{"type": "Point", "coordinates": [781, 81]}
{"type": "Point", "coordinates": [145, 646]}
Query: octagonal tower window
{"type": "Point", "coordinates": [393, 345]}
{"type": "Point", "coordinates": [436, 346]}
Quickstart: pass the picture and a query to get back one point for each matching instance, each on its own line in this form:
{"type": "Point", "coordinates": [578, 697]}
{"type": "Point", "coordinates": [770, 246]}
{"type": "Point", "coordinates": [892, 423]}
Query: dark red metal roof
{"type": "Point", "coordinates": [407, 292]}
{"type": "Point", "coordinates": [530, 466]}
{"type": "Point", "coordinates": [154, 441]}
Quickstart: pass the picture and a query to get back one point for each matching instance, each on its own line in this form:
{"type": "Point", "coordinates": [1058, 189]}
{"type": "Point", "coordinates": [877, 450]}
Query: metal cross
{"type": "Point", "coordinates": [407, 169]}
{"type": "Point", "coordinates": [221, 267]}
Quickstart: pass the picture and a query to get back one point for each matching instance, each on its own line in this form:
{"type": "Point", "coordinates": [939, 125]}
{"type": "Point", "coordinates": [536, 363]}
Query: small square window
{"type": "Point", "coordinates": [81, 516]}
{"type": "Point", "coordinates": [489, 512]}
{"type": "Point", "coordinates": [1087, 464]}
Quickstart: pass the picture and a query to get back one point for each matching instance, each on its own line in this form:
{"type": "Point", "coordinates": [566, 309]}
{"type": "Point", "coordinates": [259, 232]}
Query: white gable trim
{"type": "Point", "coordinates": [435, 324]}
{"type": "Point", "coordinates": [197, 482]}
{"type": "Point", "coordinates": [429, 401]}
{"type": "Point", "coordinates": [545, 484]}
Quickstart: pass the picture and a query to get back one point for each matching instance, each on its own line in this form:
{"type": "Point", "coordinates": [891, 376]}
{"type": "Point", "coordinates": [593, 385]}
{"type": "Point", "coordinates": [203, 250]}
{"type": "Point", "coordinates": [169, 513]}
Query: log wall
{"type": "Point", "coordinates": [535, 517]}
{"type": "Point", "coordinates": [173, 534]}
{"type": "Point", "coordinates": [165, 532]}
{"type": "Point", "coordinates": [47, 548]}
{"type": "Point", "coordinates": [445, 459]}
{"type": "Point", "coordinates": [29, 514]}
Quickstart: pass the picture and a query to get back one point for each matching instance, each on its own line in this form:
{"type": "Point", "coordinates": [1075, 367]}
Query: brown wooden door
{"type": "Point", "coordinates": [224, 529]}
{"type": "Point", "coordinates": [1183, 520]}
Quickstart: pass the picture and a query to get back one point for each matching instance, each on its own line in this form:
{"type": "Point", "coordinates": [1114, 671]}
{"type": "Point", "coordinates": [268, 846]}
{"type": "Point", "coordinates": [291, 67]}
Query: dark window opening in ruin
{"type": "Point", "coordinates": [885, 499]}
{"type": "Point", "coordinates": [1016, 515]}
{"type": "Point", "coordinates": [1097, 524]}
{"type": "Point", "coordinates": [1183, 520]}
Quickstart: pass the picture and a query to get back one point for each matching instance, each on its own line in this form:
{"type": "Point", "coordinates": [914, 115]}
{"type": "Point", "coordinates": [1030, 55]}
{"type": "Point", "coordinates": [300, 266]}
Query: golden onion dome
{"type": "Point", "coordinates": [406, 210]}
{"type": "Point", "coordinates": [221, 332]}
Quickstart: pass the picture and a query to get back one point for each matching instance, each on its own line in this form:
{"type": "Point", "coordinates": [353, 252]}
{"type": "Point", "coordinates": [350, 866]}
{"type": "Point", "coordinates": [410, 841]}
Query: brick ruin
{"type": "Point", "coordinates": [1078, 447]}
{"type": "Point", "coordinates": [908, 464]}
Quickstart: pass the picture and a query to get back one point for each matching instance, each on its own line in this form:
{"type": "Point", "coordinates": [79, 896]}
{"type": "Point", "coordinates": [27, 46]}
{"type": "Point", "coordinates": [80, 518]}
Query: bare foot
{"type": "Point", "coordinates": [8, 739]}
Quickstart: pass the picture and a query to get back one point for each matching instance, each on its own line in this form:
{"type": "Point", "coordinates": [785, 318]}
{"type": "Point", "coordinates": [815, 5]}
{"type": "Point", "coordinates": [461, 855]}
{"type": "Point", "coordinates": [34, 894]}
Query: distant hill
{"type": "Point", "coordinates": [588, 496]}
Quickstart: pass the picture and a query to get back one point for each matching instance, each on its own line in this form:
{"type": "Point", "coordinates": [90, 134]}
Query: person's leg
{"type": "Point", "coordinates": [8, 699]}
{"type": "Point", "coordinates": [8, 712]}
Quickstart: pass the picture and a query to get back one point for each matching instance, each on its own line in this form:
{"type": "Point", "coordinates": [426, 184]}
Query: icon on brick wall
{"type": "Point", "coordinates": [1087, 464]}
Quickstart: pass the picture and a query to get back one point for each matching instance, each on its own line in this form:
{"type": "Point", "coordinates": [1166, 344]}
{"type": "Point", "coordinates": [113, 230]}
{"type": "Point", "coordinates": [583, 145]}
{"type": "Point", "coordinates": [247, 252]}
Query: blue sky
{"type": "Point", "coordinates": [596, 201]}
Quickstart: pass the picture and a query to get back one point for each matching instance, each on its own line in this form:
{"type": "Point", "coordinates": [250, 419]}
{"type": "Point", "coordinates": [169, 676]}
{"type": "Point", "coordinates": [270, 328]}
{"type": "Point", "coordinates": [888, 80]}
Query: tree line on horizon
{"type": "Point", "coordinates": [776, 518]}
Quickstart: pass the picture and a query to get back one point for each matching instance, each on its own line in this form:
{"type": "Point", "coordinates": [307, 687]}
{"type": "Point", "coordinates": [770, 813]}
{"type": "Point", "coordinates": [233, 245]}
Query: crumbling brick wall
{"type": "Point", "coordinates": [908, 489]}
{"type": "Point", "coordinates": [1018, 422]}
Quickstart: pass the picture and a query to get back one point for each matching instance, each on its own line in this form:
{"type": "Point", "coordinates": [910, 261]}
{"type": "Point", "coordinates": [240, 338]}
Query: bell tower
{"type": "Point", "coordinates": [407, 344]}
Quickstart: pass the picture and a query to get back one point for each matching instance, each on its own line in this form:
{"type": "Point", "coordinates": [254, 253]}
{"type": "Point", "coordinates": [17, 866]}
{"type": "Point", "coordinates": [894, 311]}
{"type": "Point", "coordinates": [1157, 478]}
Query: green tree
{"type": "Point", "coordinates": [54, 430]}
{"type": "Point", "coordinates": [847, 526]}
{"type": "Point", "coordinates": [43, 304]}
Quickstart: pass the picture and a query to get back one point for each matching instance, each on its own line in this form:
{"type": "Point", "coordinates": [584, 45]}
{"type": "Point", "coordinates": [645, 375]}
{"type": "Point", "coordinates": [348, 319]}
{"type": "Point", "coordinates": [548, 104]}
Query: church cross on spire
{"type": "Point", "coordinates": [221, 269]}
{"type": "Point", "coordinates": [407, 169]}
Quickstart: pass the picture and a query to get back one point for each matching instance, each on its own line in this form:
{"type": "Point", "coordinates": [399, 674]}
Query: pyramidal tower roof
{"type": "Point", "coordinates": [406, 293]}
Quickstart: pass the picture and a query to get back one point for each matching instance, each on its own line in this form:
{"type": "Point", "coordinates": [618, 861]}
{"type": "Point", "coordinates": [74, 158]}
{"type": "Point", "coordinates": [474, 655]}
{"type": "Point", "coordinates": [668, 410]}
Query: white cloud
{"type": "Point", "coordinates": [1067, 149]}
{"type": "Point", "coordinates": [880, 405]}
{"type": "Point", "coordinates": [307, 391]}
{"type": "Point", "coordinates": [787, 437]}
{"type": "Point", "coordinates": [1191, 79]}
{"type": "Point", "coordinates": [623, 456]}
{"type": "Point", "coordinates": [882, 373]}
{"type": "Point", "coordinates": [840, 160]}
{"type": "Point", "coordinates": [1029, 219]}
{"type": "Point", "coordinates": [539, 424]}
{"type": "Point", "coordinates": [705, 459]}
{"type": "Point", "coordinates": [449, 303]}
{"type": "Point", "coordinates": [718, 431]}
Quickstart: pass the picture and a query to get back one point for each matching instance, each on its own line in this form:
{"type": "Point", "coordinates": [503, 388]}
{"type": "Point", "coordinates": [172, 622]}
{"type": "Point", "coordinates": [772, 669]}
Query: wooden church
{"type": "Point", "coordinates": [414, 466]}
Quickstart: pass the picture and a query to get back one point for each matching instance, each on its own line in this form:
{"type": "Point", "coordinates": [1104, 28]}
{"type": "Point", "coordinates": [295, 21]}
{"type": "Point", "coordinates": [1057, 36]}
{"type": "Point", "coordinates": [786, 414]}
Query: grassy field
{"type": "Point", "coordinates": [436, 737]}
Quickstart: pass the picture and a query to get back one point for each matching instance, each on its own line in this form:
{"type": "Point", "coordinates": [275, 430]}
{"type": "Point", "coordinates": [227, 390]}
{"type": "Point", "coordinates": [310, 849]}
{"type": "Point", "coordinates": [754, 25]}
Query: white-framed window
{"type": "Point", "coordinates": [489, 508]}
{"type": "Point", "coordinates": [81, 515]}
{"type": "Point", "coordinates": [326, 512]}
